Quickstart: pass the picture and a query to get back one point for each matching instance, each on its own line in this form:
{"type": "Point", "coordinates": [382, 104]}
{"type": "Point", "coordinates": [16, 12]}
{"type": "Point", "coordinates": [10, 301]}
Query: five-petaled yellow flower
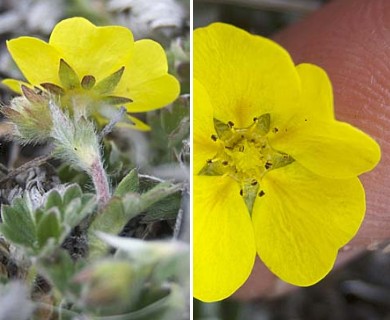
{"type": "Point", "coordinates": [96, 68]}
{"type": "Point", "coordinates": [274, 172]}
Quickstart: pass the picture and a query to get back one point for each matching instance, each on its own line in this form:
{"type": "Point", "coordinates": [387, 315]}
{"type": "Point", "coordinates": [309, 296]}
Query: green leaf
{"type": "Point", "coordinates": [173, 266]}
{"type": "Point", "coordinates": [49, 227]}
{"type": "Point", "coordinates": [165, 209]}
{"type": "Point", "coordinates": [18, 223]}
{"type": "Point", "coordinates": [72, 192]}
{"type": "Point", "coordinates": [70, 212]}
{"type": "Point", "coordinates": [120, 210]}
{"type": "Point", "coordinates": [38, 214]}
{"type": "Point", "coordinates": [68, 174]}
{"type": "Point", "coordinates": [150, 197]}
{"type": "Point", "coordinates": [173, 116]}
{"type": "Point", "coordinates": [170, 126]}
{"type": "Point", "coordinates": [76, 210]}
{"type": "Point", "coordinates": [130, 183]}
{"type": "Point", "coordinates": [111, 220]}
{"type": "Point", "coordinates": [54, 200]}
{"type": "Point", "coordinates": [177, 136]}
{"type": "Point", "coordinates": [61, 269]}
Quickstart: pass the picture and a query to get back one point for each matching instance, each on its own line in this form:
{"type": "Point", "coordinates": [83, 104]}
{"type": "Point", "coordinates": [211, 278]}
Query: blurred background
{"type": "Point", "coordinates": [263, 17]}
{"type": "Point", "coordinates": [359, 290]}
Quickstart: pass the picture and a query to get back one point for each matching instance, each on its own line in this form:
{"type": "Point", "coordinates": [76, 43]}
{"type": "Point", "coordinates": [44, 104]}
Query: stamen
{"type": "Point", "coordinates": [254, 182]}
{"type": "Point", "coordinates": [261, 193]}
{"type": "Point", "coordinates": [230, 124]}
{"type": "Point", "coordinates": [241, 192]}
{"type": "Point", "coordinates": [225, 163]}
{"type": "Point", "coordinates": [214, 137]}
{"type": "Point", "coordinates": [268, 165]}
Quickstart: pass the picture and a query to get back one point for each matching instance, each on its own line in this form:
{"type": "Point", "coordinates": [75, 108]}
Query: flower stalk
{"type": "Point", "coordinates": [100, 181]}
{"type": "Point", "coordinates": [76, 141]}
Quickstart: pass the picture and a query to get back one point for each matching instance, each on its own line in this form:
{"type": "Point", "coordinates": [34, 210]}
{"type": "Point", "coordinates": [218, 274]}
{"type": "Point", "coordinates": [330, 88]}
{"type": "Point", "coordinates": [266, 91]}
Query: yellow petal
{"type": "Point", "coordinates": [38, 61]}
{"type": "Point", "coordinates": [148, 62]}
{"type": "Point", "coordinates": [245, 75]}
{"type": "Point", "coordinates": [204, 147]}
{"type": "Point", "coordinates": [302, 220]}
{"type": "Point", "coordinates": [146, 80]}
{"type": "Point", "coordinates": [317, 94]}
{"type": "Point", "coordinates": [224, 245]}
{"type": "Point", "coordinates": [152, 94]}
{"type": "Point", "coordinates": [135, 124]}
{"type": "Point", "coordinates": [332, 149]}
{"type": "Point", "coordinates": [91, 50]}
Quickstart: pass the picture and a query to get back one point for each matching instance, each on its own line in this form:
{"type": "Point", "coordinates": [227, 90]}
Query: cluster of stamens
{"type": "Point", "coordinates": [244, 154]}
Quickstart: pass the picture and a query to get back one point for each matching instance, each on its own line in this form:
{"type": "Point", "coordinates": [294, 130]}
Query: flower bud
{"type": "Point", "coordinates": [30, 116]}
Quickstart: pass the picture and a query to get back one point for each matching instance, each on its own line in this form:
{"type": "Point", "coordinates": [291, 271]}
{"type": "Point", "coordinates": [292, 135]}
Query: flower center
{"type": "Point", "coordinates": [87, 89]}
{"type": "Point", "coordinates": [245, 155]}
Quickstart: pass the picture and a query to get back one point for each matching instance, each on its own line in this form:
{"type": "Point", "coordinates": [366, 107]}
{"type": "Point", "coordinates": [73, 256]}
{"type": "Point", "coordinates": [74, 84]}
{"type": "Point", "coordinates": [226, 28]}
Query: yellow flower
{"type": "Point", "coordinates": [274, 172]}
{"type": "Point", "coordinates": [95, 68]}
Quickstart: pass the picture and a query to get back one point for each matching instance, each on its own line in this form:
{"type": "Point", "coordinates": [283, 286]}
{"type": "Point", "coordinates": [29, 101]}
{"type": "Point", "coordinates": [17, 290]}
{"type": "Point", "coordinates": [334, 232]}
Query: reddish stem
{"type": "Point", "coordinates": [100, 182]}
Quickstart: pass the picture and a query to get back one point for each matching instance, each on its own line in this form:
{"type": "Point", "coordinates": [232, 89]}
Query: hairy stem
{"type": "Point", "coordinates": [100, 181]}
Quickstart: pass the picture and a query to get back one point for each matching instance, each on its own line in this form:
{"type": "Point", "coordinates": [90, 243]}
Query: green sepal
{"type": "Point", "coordinates": [68, 76]}
{"type": "Point", "coordinates": [53, 88]}
{"type": "Point", "coordinates": [113, 100]}
{"type": "Point", "coordinates": [280, 160]}
{"type": "Point", "coordinates": [249, 193]}
{"type": "Point", "coordinates": [109, 83]}
{"type": "Point", "coordinates": [263, 124]}
{"type": "Point", "coordinates": [33, 96]}
{"type": "Point", "coordinates": [212, 168]}
{"type": "Point", "coordinates": [222, 129]}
